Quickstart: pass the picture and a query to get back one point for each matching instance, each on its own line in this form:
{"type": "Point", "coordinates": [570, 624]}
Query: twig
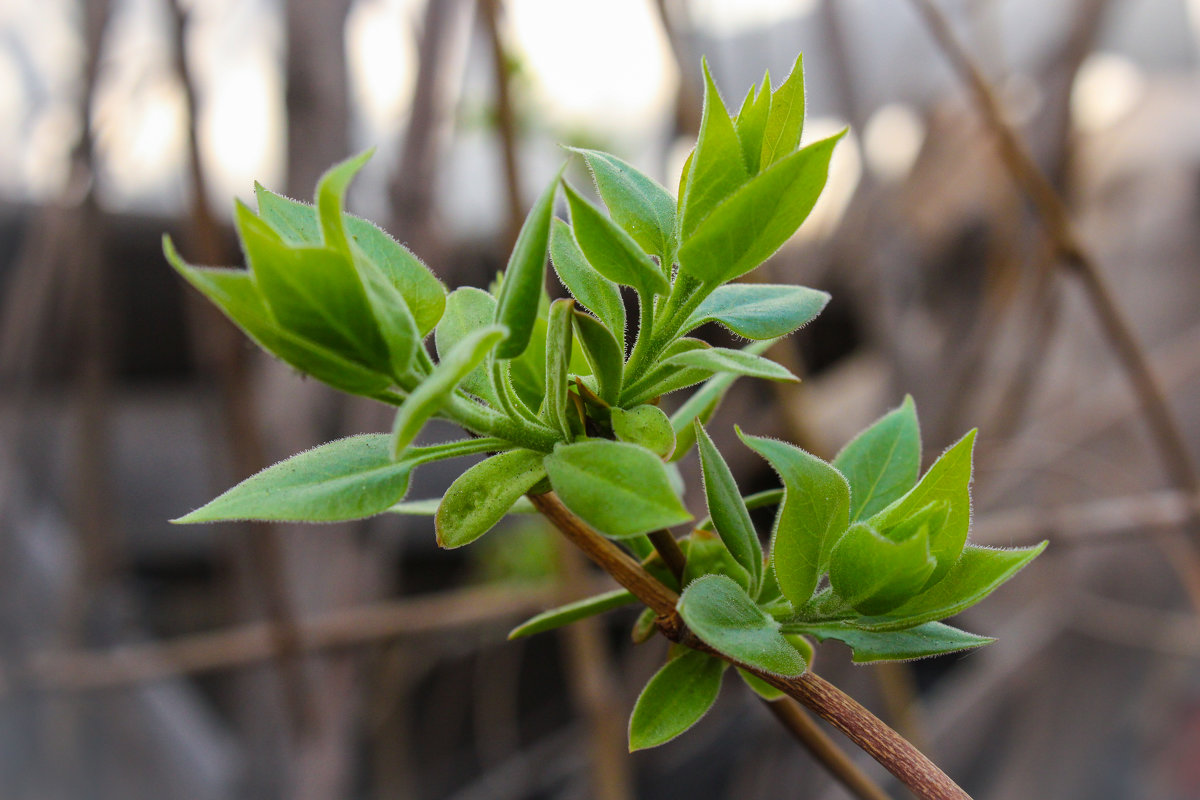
{"type": "Point", "coordinates": [866, 730]}
{"type": "Point", "coordinates": [88, 670]}
{"type": "Point", "coordinates": [505, 119]}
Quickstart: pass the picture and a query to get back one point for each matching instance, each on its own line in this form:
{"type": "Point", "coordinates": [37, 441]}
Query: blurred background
{"type": "Point", "coordinates": [144, 660]}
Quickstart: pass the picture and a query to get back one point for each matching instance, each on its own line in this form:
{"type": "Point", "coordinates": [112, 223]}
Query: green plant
{"type": "Point", "coordinates": [863, 550]}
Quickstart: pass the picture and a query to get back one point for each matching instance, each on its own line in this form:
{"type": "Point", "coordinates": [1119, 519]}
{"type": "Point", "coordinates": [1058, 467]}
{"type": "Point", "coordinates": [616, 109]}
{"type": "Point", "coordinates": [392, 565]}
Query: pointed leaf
{"type": "Point", "coordinates": [620, 489]}
{"type": "Point", "coordinates": [724, 617]}
{"type": "Point", "coordinates": [785, 122]}
{"type": "Point", "coordinates": [429, 397]}
{"type": "Point", "coordinates": [874, 574]}
{"type": "Point", "coordinates": [751, 123]}
{"type": "Point", "coordinates": [467, 309]}
{"type": "Point", "coordinates": [703, 404]}
{"type": "Point", "coordinates": [294, 221]}
{"type": "Point", "coordinates": [716, 168]}
{"type": "Point", "coordinates": [635, 201]}
{"type": "Point", "coordinates": [392, 317]}
{"type": "Point", "coordinates": [603, 353]}
{"type": "Point", "coordinates": [708, 555]}
{"type": "Point", "coordinates": [948, 480]}
{"type": "Point", "coordinates": [675, 699]}
{"type": "Point", "coordinates": [234, 292]}
{"type": "Point", "coordinates": [481, 496]}
{"type": "Point", "coordinates": [723, 359]}
{"type": "Point", "coordinates": [346, 479]}
{"type": "Point", "coordinates": [645, 425]}
{"type": "Point", "coordinates": [759, 310]}
{"type": "Point", "coordinates": [814, 513]}
{"type": "Point", "coordinates": [331, 195]}
{"type": "Point", "coordinates": [978, 573]}
{"type": "Point", "coordinates": [923, 641]}
{"type": "Point", "coordinates": [755, 221]}
{"type": "Point", "coordinates": [610, 250]}
{"type": "Point", "coordinates": [525, 276]}
{"type": "Point", "coordinates": [882, 462]}
{"type": "Point", "coordinates": [727, 509]}
{"type": "Point", "coordinates": [556, 407]}
{"type": "Point", "coordinates": [573, 612]}
{"type": "Point", "coordinates": [592, 290]}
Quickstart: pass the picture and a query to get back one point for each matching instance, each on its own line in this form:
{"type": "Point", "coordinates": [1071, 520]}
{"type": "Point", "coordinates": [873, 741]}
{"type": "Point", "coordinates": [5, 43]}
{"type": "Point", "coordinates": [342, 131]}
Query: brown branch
{"type": "Point", "coordinates": [87, 670]}
{"type": "Point", "coordinates": [669, 551]}
{"type": "Point", "coordinates": [862, 727]}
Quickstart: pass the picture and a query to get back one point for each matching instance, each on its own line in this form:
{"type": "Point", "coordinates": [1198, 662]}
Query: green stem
{"type": "Point", "coordinates": [686, 294]}
{"type": "Point", "coordinates": [484, 421]}
{"type": "Point", "coordinates": [644, 336]}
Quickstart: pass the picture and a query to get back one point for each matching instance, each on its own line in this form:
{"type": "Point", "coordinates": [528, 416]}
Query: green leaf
{"type": "Point", "coordinates": [556, 408]}
{"type": "Point", "coordinates": [978, 573]}
{"type": "Point", "coordinates": [815, 511]}
{"type": "Point", "coordinates": [467, 309]}
{"type": "Point", "coordinates": [620, 489]}
{"type": "Point", "coordinates": [948, 480]}
{"type": "Point", "coordinates": [481, 496]}
{"type": "Point", "coordinates": [313, 292]}
{"type": "Point", "coordinates": [923, 641]}
{"type": "Point", "coordinates": [708, 555]}
{"type": "Point", "coordinates": [395, 322]}
{"type": "Point", "coordinates": [433, 392]}
{"type": "Point", "coordinates": [429, 507]}
{"type": "Point", "coordinates": [234, 292]}
{"type": "Point", "coordinates": [296, 222]}
{"type": "Point", "coordinates": [874, 573]}
{"type": "Point", "coordinates": [603, 353]}
{"type": "Point", "coordinates": [727, 510]}
{"type": "Point", "coordinates": [573, 612]}
{"type": "Point", "coordinates": [785, 122]}
{"type": "Point", "coordinates": [716, 167]}
{"type": "Point", "coordinates": [637, 202]}
{"type": "Point", "coordinates": [665, 377]}
{"type": "Point", "coordinates": [592, 290]}
{"type": "Point", "coordinates": [723, 359]}
{"type": "Point", "coordinates": [882, 462]}
{"type": "Point", "coordinates": [755, 221]}
{"type": "Point", "coordinates": [528, 370]}
{"type": "Point", "coordinates": [525, 276]}
{"type": "Point", "coordinates": [346, 479]}
{"type": "Point", "coordinates": [751, 122]}
{"type": "Point", "coordinates": [759, 310]}
{"type": "Point", "coordinates": [760, 687]}
{"type": "Point", "coordinates": [610, 250]}
{"type": "Point", "coordinates": [724, 617]}
{"type": "Point", "coordinates": [331, 194]}
{"type": "Point", "coordinates": [645, 425]}
{"type": "Point", "coordinates": [702, 404]}
{"type": "Point", "coordinates": [675, 699]}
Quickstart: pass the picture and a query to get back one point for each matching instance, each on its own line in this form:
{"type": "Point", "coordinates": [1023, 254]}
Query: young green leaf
{"type": "Point", "coordinates": [620, 489]}
{"type": "Point", "coordinates": [432, 393]}
{"type": "Point", "coordinates": [755, 221]}
{"type": "Point", "coordinates": [481, 496]}
{"type": "Point", "coordinates": [760, 687]}
{"type": "Point", "coordinates": [675, 699]}
{"type": "Point", "coordinates": [978, 572]}
{"type": "Point", "coordinates": [727, 510]}
{"type": "Point", "coordinates": [724, 617]}
{"type": "Point", "coordinates": [394, 321]}
{"type": "Point", "coordinates": [467, 309]}
{"type": "Point", "coordinates": [922, 641]}
{"type": "Point", "coordinates": [702, 404]}
{"type": "Point", "coordinates": [573, 612]}
{"type": "Point", "coordinates": [525, 276]}
{"type": "Point", "coordinates": [751, 123]}
{"type": "Point", "coordinates": [556, 408]}
{"type": "Point", "coordinates": [814, 513]}
{"type": "Point", "coordinates": [234, 292]}
{"type": "Point", "coordinates": [331, 194]}
{"type": "Point", "coordinates": [708, 555]}
{"type": "Point", "coordinates": [610, 250]}
{"type": "Point", "coordinates": [346, 479]}
{"type": "Point", "coordinates": [948, 480]}
{"type": "Point", "coordinates": [716, 167]}
{"type": "Point", "coordinates": [592, 290]}
{"type": "Point", "coordinates": [882, 462]}
{"type": "Point", "coordinates": [313, 292]}
{"type": "Point", "coordinates": [636, 202]}
{"type": "Point", "coordinates": [296, 223]}
{"type": "Point", "coordinates": [723, 359]}
{"type": "Point", "coordinates": [785, 121]}
{"type": "Point", "coordinates": [758, 310]}
{"type": "Point", "coordinates": [429, 507]}
{"type": "Point", "coordinates": [604, 355]}
{"type": "Point", "coordinates": [645, 425]}
{"type": "Point", "coordinates": [874, 574]}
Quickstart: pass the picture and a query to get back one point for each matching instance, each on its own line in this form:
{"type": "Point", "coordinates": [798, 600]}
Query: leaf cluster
{"type": "Point", "coordinates": [860, 551]}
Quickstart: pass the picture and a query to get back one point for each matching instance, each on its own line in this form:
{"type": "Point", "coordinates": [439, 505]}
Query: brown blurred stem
{"type": "Point", "coordinates": [866, 730]}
